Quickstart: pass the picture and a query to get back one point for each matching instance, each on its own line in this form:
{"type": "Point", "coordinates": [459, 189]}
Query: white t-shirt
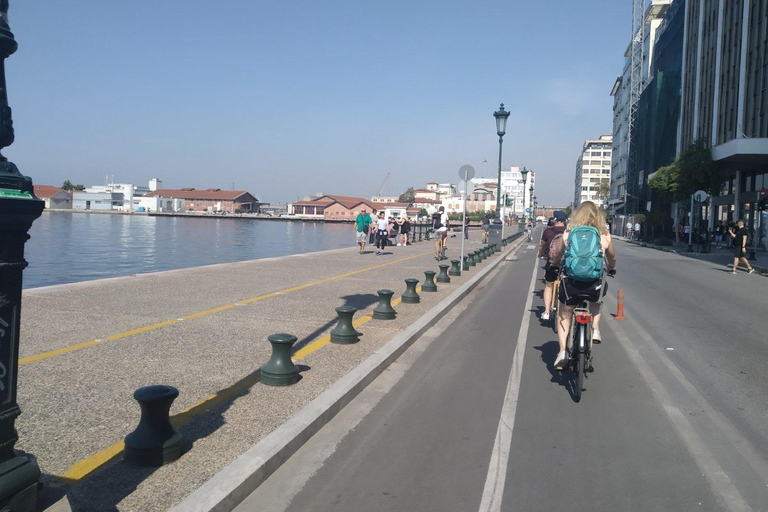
{"type": "Point", "coordinates": [444, 222]}
{"type": "Point", "coordinates": [382, 225]}
{"type": "Point", "coordinates": [637, 226]}
{"type": "Point", "coordinates": [629, 226]}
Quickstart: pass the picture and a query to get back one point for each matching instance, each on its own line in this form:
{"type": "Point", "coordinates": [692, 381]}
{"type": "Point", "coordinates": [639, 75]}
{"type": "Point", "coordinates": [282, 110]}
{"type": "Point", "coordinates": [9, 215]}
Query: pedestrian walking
{"type": "Point", "coordinates": [486, 226]}
{"type": "Point", "coordinates": [466, 229]}
{"type": "Point", "coordinates": [637, 231]}
{"type": "Point", "coordinates": [374, 219]}
{"type": "Point", "coordinates": [382, 234]}
{"type": "Point", "coordinates": [363, 223]}
{"type": "Point", "coordinates": [740, 235]}
{"type": "Point", "coordinates": [719, 234]}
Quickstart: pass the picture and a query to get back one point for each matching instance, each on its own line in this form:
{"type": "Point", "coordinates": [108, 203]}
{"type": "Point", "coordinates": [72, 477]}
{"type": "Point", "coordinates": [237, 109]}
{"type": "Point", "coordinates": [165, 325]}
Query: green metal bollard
{"type": "Point", "coordinates": [154, 442]}
{"type": "Point", "coordinates": [426, 233]}
{"type": "Point", "coordinates": [411, 296]}
{"type": "Point", "coordinates": [429, 283]}
{"type": "Point", "coordinates": [471, 261]}
{"type": "Point", "coordinates": [443, 276]}
{"type": "Point", "coordinates": [384, 310]}
{"type": "Point", "coordinates": [465, 263]}
{"type": "Point", "coordinates": [280, 370]}
{"type": "Point", "coordinates": [455, 270]}
{"type": "Point", "coordinates": [481, 253]}
{"type": "Point", "coordinates": [345, 333]}
{"type": "Point", "coordinates": [504, 243]}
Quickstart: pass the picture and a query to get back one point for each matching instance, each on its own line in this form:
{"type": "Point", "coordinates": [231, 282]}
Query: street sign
{"type": "Point", "coordinates": [466, 172]}
{"type": "Point", "coordinates": [700, 196]}
{"type": "Point", "coordinates": [527, 210]}
{"type": "Point", "coordinates": [470, 187]}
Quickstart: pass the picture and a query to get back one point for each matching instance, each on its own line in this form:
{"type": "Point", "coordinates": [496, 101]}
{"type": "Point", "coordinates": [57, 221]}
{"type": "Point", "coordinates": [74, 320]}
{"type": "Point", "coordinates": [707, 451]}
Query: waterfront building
{"type": "Point", "coordinates": [211, 200]}
{"type": "Point", "coordinates": [385, 199]}
{"type": "Point", "coordinates": [619, 171]}
{"type": "Point", "coordinates": [426, 193]}
{"type": "Point", "coordinates": [514, 192]}
{"type": "Point", "coordinates": [54, 197]}
{"type": "Point", "coordinates": [430, 205]}
{"type": "Point", "coordinates": [593, 167]}
{"type": "Point", "coordinates": [151, 204]}
{"type": "Point", "coordinates": [100, 201]}
{"type": "Point", "coordinates": [330, 208]}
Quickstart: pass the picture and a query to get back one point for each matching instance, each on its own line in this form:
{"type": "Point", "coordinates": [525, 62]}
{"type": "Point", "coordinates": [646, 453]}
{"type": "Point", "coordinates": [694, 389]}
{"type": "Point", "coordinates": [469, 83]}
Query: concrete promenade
{"type": "Point", "coordinates": [86, 347]}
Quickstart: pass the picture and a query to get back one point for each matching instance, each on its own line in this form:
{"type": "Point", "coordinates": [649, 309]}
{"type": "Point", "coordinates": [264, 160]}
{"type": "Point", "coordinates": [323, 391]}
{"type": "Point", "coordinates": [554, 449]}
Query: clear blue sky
{"type": "Point", "coordinates": [292, 97]}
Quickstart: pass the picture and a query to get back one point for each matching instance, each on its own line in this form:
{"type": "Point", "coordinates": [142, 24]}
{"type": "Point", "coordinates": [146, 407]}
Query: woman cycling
{"type": "Point", "coordinates": [573, 291]}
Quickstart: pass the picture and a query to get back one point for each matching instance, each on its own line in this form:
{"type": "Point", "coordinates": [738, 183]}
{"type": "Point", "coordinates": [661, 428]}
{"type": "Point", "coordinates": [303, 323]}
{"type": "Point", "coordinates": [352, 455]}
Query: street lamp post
{"type": "Point", "coordinates": [19, 207]}
{"type": "Point", "coordinates": [524, 172]}
{"type": "Point", "coordinates": [501, 116]}
{"type": "Point", "coordinates": [530, 199]}
{"type": "Point", "coordinates": [535, 206]}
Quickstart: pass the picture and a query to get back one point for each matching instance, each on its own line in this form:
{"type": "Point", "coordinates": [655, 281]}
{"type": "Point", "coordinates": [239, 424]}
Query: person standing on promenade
{"type": "Point", "coordinates": [629, 230]}
{"type": "Point", "coordinates": [405, 229]}
{"type": "Point", "coordinates": [363, 223]}
{"type": "Point", "coordinates": [719, 235]}
{"type": "Point", "coordinates": [637, 230]}
{"type": "Point", "coordinates": [486, 225]}
{"type": "Point", "coordinates": [466, 229]}
{"type": "Point", "coordinates": [740, 247]}
{"type": "Point", "coordinates": [382, 233]}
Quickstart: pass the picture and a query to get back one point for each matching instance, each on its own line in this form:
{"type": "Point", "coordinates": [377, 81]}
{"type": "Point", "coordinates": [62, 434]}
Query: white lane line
{"type": "Point", "coordinates": [497, 470]}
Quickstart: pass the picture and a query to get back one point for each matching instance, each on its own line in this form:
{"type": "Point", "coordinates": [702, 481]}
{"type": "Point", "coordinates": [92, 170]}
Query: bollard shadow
{"type": "Point", "coordinates": [104, 488]}
{"type": "Point", "coordinates": [566, 379]}
{"type": "Point", "coordinates": [360, 301]}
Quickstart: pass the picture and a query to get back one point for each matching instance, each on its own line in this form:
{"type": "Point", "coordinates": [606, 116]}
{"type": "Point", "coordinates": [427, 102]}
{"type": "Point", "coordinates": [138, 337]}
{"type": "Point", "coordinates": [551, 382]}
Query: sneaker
{"type": "Point", "coordinates": [561, 361]}
{"type": "Point", "coordinates": [750, 271]}
{"type": "Point", "coordinates": [399, 245]}
{"type": "Point", "coordinates": [596, 338]}
{"type": "Point", "coordinates": [733, 273]}
{"type": "Point", "coordinates": [545, 316]}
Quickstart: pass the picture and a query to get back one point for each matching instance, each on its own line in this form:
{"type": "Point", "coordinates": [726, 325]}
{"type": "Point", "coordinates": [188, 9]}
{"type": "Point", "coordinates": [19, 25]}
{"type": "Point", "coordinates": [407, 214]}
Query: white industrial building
{"type": "Point", "coordinates": [512, 188]}
{"type": "Point", "coordinates": [592, 168]}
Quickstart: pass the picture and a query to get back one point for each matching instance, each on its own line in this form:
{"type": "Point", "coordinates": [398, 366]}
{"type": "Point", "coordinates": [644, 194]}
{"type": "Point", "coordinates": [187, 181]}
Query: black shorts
{"type": "Point", "coordinates": [550, 273]}
{"type": "Point", "coordinates": [572, 292]}
{"type": "Point", "coordinates": [738, 252]}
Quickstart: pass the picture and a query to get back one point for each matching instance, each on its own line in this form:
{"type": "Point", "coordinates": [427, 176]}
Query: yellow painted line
{"type": "Point", "coordinates": [192, 316]}
{"type": "Point", "coordinates": [58, 352]}
{"type": "Point", "coordinates": [84, 468]}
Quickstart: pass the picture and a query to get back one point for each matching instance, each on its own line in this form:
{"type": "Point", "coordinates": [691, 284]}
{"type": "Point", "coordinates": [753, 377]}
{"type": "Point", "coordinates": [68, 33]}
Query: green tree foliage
{"type": "Point", "coordinates": [603, 192]}
{"type": "Point", "coordinates": [423, 213]}
{"type": "Point", "coordinates": [409, 196]}
{"type": "Point", "coordinates": [69, 186]}
{"type": "Point", "coordinates": [568, 211]}
{"type": "Point", "coordinates": [692, 170]}
{"type": "Point", "coordinates": [666, 182]}
{"type": "Point", "coordinates": [640, 218]}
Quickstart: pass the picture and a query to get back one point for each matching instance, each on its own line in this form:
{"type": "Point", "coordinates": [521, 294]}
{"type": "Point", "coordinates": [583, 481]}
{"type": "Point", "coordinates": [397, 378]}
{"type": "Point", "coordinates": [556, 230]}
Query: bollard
{"type": "Point", "coordinates": [345, 333]}
{"type": "Point", "coordinates": [484, 253]}
{"type": "Point", "coordinates": [465, 263]}
{"type": "Point", "coordinates": [411, 296]}
{"type": "Point", "coordinates": [471, 259]}
{"type": "Point", "coordinates": [455, 270]}
{"type": "Point", "coordinates": [384, 311]}
{"type": "Point", "coordinates": [478, 256]}
{"type": "Point", "coordinates": [481, 253]}
{"type": "Point", "coordinates": [504, 243]}
{"type": "Point", "coordinates": [280, 370]}
{"type": "Point", "coordinates": [154, 442]}
{"type": "Point", "coordinates": [429, 283]}
{"type": "Point", "coordinates": [443, 277]}
{"type": "Point", "coordinates": [620, 308]}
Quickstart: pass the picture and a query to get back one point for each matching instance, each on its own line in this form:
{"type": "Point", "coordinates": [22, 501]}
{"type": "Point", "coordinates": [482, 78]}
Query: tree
{"type": "Point", "coordinates": [423, 213]}
{"type": "Point", "coordinates": [409, 196]}
{"type": "Point", "coordinates": [603, 192]}
{"type": "Point", "coordinates": [568, 210]}
{"type": "Point", "coordinates": [69, 186]}
{"type": "Point", "coordinates": [698, 171]}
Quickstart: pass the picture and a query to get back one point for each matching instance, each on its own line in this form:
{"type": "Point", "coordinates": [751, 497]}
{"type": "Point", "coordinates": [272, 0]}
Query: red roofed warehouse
{"type": "Point", "coordinates": [54, 197]}
{"type": "Point", "coordinates": [211, 199]}
{"type": "Point", "coordinates": [334, 208]}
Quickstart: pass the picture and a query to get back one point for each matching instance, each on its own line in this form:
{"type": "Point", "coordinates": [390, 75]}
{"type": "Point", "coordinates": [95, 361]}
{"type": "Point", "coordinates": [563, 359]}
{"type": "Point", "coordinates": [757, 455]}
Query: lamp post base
{"type": "Point", "coordinates": [19, 485]}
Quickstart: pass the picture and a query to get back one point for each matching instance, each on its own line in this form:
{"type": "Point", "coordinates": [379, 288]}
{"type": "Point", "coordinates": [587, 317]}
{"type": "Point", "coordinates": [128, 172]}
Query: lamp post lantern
{"type": "Point", "coordinates": [19, 473]}
{"type": "Point", "coordinates": [501, 116]}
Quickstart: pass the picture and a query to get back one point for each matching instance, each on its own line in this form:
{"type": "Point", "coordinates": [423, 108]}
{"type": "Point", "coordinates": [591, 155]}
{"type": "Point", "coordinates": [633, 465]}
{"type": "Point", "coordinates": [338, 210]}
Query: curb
{"type": "Point", "coordinates": [230, 486]}
{"type": "Point", "coordinates": [761, 270]}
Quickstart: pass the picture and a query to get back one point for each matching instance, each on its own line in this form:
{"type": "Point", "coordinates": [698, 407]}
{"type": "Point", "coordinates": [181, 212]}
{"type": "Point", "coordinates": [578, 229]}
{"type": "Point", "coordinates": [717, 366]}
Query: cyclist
{"type": "Point", "coordinates": [486, 226]}
{"type": "Point", "coordinates": [574, 290]}
{"type": "Point", "coordinates": [551, 268]}
{"type": "Point", "coordinates": [529, 229]}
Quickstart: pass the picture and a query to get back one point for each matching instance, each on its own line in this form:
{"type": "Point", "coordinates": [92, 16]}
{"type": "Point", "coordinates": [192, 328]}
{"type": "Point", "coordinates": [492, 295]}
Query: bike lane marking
{"type": "Point", "coordinates": [497, 469]}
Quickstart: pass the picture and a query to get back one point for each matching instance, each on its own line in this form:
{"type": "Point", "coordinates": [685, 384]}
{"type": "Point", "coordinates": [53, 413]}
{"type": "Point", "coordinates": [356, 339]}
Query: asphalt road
{"type": "Point", "coordinates": [474, 417]}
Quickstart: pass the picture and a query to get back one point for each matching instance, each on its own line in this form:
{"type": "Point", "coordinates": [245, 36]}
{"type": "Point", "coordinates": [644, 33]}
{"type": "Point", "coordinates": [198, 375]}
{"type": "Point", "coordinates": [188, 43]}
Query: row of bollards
{"type": "Point", "coordinates": [156, 442]}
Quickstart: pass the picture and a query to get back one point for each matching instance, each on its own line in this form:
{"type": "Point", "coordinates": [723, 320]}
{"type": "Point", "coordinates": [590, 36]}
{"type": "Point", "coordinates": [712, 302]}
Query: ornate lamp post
{"type": "Point", "coordinates": [19, 207]}
{"type": "Point", "coordinates": [535, 205]}
{"type": "Point", "coordinates": [524, 172]}
{"type": "Point", "coordinates": [530, 200]}
{"type": "Point", "coordinates": [501, 116]}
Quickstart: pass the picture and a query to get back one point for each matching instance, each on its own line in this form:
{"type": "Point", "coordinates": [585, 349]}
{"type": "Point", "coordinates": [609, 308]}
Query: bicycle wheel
{"type": "Point", "coordinates": [580, 362]}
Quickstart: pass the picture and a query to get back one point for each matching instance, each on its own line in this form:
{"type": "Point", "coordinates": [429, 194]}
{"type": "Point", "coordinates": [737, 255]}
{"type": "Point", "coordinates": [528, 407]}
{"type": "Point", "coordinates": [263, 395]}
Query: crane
{"type": "Point", "coordinates": [383, 184]}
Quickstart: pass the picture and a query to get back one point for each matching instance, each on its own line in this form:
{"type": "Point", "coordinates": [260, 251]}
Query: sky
{"type": "Point", "coordinates": [290, 98]}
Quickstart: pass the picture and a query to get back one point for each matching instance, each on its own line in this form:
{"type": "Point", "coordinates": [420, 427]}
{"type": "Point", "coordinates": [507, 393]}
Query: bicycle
{"type": "Point", "coordinates": [579, 342]}
{"type": "Point", "coordinates": [554, 302]}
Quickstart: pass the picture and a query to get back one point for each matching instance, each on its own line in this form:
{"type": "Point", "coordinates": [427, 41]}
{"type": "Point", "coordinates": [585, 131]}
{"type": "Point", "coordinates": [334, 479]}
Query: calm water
{"type": "Point", "coordinates": [72, 247]}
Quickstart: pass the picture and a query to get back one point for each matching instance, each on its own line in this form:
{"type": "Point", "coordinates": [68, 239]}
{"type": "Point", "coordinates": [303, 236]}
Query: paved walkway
{"type": "Point", "coordinates": [86, 347]}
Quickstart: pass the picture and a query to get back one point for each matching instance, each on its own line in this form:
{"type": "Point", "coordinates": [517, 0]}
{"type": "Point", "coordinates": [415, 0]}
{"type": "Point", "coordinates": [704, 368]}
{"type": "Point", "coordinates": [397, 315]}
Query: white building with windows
{"type": "Point", "coordinates": [592, 168]}
{"type": "Point", "coordinates": [512, 188]}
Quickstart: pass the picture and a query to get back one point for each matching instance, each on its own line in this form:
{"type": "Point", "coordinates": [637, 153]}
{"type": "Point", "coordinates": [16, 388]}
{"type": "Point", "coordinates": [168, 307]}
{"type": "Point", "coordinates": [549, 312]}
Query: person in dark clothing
{"type": "Point", "coordinates": [740, 237]}
{"type": "Point", "coordinates": [551, 268]}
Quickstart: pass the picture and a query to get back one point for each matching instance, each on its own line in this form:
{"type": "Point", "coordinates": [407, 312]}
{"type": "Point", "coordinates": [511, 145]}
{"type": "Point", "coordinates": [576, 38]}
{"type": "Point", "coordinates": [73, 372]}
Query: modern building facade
{"type": "Point", "coordinates": [211, 200]}
{"type": "Point", "coordinates": [514, 191]}
{"type": "Point", "coordinates": [593, 167]}
{"type": "Point", "coordinates": [654, 18]}
{"type": "Point", "coordinates": [725, 103]}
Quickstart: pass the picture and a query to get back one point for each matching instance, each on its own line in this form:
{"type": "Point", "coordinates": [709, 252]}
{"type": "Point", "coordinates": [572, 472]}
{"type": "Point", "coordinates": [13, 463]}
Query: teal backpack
{"type": "Point", "coordinates": [583, 255]}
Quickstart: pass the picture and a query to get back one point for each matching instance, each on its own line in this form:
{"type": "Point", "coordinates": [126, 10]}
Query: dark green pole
{"type": "Point", "coordinates": [19, 207]}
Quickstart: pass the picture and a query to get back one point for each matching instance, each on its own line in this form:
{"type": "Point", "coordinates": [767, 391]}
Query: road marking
{"type": "Point", "coordinates": [497, 469]}
{"type": "Point", "coordinates": [718, 479]}
{"type": "Point", "coordinates": [192, 316]}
